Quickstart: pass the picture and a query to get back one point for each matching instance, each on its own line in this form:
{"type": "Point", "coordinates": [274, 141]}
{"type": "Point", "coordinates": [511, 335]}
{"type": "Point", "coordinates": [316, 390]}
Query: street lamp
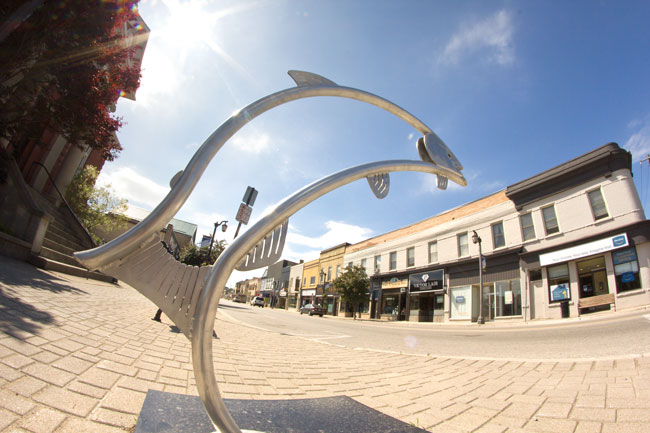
{"type": "Point", "coordinates": [224, 227]}
{"type": "Point", "coordinates": [477, 240]}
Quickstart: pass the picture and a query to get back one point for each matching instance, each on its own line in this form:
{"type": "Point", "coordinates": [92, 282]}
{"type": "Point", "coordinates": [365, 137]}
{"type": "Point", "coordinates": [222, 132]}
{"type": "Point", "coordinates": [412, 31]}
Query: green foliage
{"type": "Point", "coordinates": [95, 206]}
{"type": "Point", "coordinates": [353, 285]}
{"type": "Point", "coordinates": [195, 256]}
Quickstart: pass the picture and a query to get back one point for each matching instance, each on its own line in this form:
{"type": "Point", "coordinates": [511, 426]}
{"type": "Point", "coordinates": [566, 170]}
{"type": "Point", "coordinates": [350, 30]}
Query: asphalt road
{"type": "Point", "coordinates": [605, 338]}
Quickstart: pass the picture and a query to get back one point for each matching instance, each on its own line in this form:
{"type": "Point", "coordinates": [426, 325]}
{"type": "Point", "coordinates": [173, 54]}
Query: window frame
{"type": "Point", "coordinates": [377, 263]}
{"type": "Point", "coordinates": [557, 222]}
{"type": "Point", "coordinates": [495, 236]}
{"type": "Point", "coordinates": [592, 205]}
{"type": "Point", "coordinates": [429, 251]}
{"type": "Point", "coordinates": [558, 280]}
{"type": "Point", "coordinates": [410, 257]}
{"type": "Point", "coordinates": [459, 236]}
{"type": "Point", "coordinates": [392, 261]}
{"type": "Point", "coordinates": [531, 226]}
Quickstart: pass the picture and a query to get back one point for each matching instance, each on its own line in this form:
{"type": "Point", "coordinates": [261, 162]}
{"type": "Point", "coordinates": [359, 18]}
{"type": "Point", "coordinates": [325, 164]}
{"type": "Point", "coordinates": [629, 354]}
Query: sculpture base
{"type": "Point", "coordinates": [179, 413]}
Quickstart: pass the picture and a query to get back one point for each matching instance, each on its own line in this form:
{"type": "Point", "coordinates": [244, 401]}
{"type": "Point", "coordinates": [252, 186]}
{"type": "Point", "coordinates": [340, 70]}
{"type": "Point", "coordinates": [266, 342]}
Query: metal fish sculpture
{"type": "Point", "coordinates": [190, 295]}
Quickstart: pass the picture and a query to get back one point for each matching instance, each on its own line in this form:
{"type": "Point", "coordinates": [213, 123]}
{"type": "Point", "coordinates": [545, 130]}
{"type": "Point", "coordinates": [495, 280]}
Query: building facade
{"type": "Point", "coordinates": [309, 282]}
{"type": "Point", "coordinates": [330, 267]}
{"type": "Point", "coordinates": [568, 241]}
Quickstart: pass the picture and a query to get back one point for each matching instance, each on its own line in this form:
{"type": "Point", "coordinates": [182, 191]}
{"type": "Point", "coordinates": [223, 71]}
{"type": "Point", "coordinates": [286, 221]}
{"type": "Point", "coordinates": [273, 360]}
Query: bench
{"type": "Point", "coordinates": [597, 301]}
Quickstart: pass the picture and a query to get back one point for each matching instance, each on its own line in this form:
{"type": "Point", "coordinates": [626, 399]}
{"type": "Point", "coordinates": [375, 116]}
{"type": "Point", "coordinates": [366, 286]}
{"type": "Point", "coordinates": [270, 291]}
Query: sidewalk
{"type": "Point", "coordinates": [79, 355]}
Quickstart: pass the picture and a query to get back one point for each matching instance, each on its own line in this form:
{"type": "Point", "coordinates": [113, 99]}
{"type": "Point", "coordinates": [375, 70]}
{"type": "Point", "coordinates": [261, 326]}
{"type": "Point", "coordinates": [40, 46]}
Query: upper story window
{"type": "Point", "coordinates": [312, 281]}
{"type": "Point", "coordinates": [349, 264]}
{"type": "Point", "coordinates": [597, 204]}
{"type": "Point", "coordinates": [329, 273]}
{"type": "Point", "coordinates": [363, 263]}
{"type": "Point", "coordinates": [393, 261]}
{"type": "Point", "coordinates": [463, 246]}
{"type": "Point", "coordinates": [550, 220]}
{"type": "Point", "coordinates": [527, 226]}
{"type": "Point", "coordinates": [377, 263]}
{"type": "Point", "coordinates": [338, 271]}
{"type": "Point", "coordinates": [410, 256]}
{"type": "Point", "coordinates": [433, 252]}
{"type": "Point", "coordinates": [498, 237]}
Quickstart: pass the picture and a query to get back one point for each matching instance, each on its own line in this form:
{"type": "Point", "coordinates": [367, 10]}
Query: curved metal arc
{"type": "Point", "coordinates": [183, 186]}
{"type": "Point", "coordinates": [204, 316]}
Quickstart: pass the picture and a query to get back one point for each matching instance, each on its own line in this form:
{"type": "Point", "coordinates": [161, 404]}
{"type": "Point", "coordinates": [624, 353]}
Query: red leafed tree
{"type": "Point", "coordinates": [63, 65]}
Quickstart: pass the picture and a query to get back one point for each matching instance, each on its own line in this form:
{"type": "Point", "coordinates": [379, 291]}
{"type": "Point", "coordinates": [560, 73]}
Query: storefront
{"type": "Point", "coordinates": [393, 298]}
{"type": "Point", "coordinates": [307, 296]}
{"type": "Point", "coordinates": [426, 296]}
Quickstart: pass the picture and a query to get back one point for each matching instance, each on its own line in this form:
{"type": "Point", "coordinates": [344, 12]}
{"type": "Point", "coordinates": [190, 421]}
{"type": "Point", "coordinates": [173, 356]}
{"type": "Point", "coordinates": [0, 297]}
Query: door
{"type": "Point", "coordinates": [488, 302]}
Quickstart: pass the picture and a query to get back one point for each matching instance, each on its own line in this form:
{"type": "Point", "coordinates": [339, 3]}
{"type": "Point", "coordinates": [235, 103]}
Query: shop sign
{"type": "Point", "coordinates": [624, 256]}
{"type": "Point", "coordinates": [283, 294]}
{"type": "Point", "coordinates": [310, 292]}
{"type": "Point", "coordinates": [426, 281]}
{"type": "Point", "coordinates": [584, 250]}
{"type": "Point", "coordinates": [507, 297]}
{"type": "Point", "coordinates": [394, 283]}
{"type": "Point", "coordinates": [627, 277]}
{"type": "Point", "coordinates": [460, 299]}
{"type": "Point", "coordinates": [559, 292]}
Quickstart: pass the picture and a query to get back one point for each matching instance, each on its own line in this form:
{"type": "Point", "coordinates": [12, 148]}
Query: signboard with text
{"type": "Point", "coordinates": [584, 250]}
{"type": "Point", "coordinates": [426, 281]}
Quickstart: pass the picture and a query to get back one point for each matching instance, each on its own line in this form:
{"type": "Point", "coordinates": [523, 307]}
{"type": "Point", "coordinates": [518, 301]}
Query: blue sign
{"type": "Point", "coordinates": [460, 299]}
{"type": "Point", "coordinates": [559, 292]}
{"type": "Point", "coordinates": [624, 256]}
{"type": "Point", "coordinates": [619, 241]}
{"type": "Point", "coordinates": [627, 277]}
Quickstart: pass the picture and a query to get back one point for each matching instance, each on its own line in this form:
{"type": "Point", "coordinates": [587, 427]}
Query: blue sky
{"type": "Point", "coordinates": [513, 88]}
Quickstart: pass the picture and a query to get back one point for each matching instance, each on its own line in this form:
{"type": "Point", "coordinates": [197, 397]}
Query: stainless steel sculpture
{"type": "Point", "coordinates": [189, 295]}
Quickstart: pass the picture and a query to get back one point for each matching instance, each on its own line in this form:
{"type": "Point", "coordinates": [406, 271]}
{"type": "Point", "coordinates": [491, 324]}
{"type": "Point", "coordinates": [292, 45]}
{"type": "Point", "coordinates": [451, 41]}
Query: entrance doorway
{"type": "Point", "coordinates": [592, 277]}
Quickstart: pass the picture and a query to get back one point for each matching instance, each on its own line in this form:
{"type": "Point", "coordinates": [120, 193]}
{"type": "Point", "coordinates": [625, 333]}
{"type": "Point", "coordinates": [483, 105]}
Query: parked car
{"type": "Point", "coordinates": [258, 301]}
{"type": "Point", "coordinates": [312, 309]}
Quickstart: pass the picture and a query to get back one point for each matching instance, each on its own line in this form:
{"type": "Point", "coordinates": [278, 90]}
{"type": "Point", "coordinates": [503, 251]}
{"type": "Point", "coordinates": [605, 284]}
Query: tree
{"type": "Point", "coordinates": [95, 206]}
{"type": "Point", "coordinates": [195, 256]}
{"type": "Point", "coordinates": [353, 286]}
{"type": "Point", "coordinates": [63, 65]}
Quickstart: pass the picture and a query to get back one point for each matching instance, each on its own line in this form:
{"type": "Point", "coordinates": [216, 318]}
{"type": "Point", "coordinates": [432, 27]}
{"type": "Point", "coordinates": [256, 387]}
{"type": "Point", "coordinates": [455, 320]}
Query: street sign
{"type": "Point", "coordinates": [249, 196]}
{"type": "Point", "coordinates": [244, 213]}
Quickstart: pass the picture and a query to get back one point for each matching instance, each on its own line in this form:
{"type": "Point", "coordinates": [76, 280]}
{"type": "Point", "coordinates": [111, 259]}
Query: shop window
{"type": "Point", "coordinates": [550, 220]}
{"type": "Point", "coordinates": [463, 247]}
{"type": "Point", "coordinates": [527, 226]}
{"type": "Point", "coordinates": [410, 256]}
{"type": "Point", "coordinates": [392, 264]}
{"type": "Point", "coordinates": [390, 305]}
{"type": "Point", "coordinates": [377, 264]}
{"type": "Point", "coordinates": [558, 283]}
{"type": "Point", "coordinates": [597, 202]}
{"type": "Point", "coordinates": [508, 298]}
{"type": "Point", "coordinates": [626, 269]}
{"type": "Point", "coordinates": [433, 252]}
{"type": "Point", "coordinates": [460, 300]}
{"type": "Point", "coordinates": [498, 237]}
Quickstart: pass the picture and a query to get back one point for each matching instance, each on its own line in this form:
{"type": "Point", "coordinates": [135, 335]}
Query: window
{"type": "Point", "coordinates": [626, 270]}
{"type": "Point", "coordinates": [463, 247]}
{"type": "Point", "coordinates": [329, 273]}
{"type": "Point", "coordinates": [550, 220]}
{"type": "Point", "coordinates": [312, 281]}
{"type": "Point", "coordinates": [433, 252]}
{"type": "Point", "coordinates": [498, 237]}
{"type": "Point", "coordinates": [410, 256]}
{"type": "Point", "coordinates": [393, 261]}
{"type": "Point", "coordinates": [377, 264]}
{"type": "Point", "coordinates": [349, 264]}
{"type": "Point", "coordinates": [527, 226]}
{"type": "Point", "coordinates": [304, 281]}
{"type": "Point", "coordinates": [558, 282]}
{"type": "Point", "coordinates": [338, 271]}
{"type": "Point", "coordinates": [597, 204]}
{"type": "Point", "coordinates": [508, 298]}
{"type": "Point", "coordinates": [363, 263]}
{"type": "Point", "coordinates": [322, 275]}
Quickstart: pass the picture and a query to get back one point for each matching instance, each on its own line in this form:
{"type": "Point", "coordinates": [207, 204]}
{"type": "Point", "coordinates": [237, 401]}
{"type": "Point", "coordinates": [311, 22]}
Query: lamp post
{"type": "Point", "coordinates": [224, 227]}
{"type": "Point", "coordinates": [477, 240]}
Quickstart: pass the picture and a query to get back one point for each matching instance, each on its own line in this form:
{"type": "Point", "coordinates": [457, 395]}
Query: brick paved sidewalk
{"type": "Point", "coordinates": [79, 355]}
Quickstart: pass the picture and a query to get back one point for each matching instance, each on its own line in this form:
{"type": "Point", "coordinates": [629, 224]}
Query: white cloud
{"type": "Point", "coordinates": [491, 37]}
{"type": "Point", "coordinates": [337, 233]}
{"type": "Point", "coordinates": [639, 141]}
{"type": "Point", "coordinates": [255, 143]}
{"type": "Point", "coordinates": [131, 185]}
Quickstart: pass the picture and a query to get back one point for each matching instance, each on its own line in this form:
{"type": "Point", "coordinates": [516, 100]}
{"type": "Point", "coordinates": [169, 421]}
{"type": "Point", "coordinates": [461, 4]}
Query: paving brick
{"type": "Point", "coordinates": [626, 427]}
{"type": "Point", "coordinates": [588, 414]}
{"type": "Point", "coordinates": [550, 425]}
{"type": "Point", "coordinates": [7, 418]}
{"type": "Point", "coordinates": [588, 427]}
{"type": "Point", "coordinates": [99, 377]}
{"type": "Point", "coordinates": [74, 425]}
{"type": "Point", "coordinates": [116, 367]}
{"type": "Point", "coordinates": [14, 402]}
{"type": "Point", "coordinates": [17, 361]}
{"type": "Point", "coordinates": [42, 421]}
{"type": "Point", "coordinates": [66, 401]}
{"type": "Point", "coordinates": [633, 415]}
{"type": "Point", "coordinates": [124, 400]}
{"type": "Point", "coordinates": [48, 374]}
{"type": "Point", "coordinates": [26, 386]}
{"type": "Point", "coordinates": [554, 410]}
{"type": "Point", "coordinates": [116, 419]}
